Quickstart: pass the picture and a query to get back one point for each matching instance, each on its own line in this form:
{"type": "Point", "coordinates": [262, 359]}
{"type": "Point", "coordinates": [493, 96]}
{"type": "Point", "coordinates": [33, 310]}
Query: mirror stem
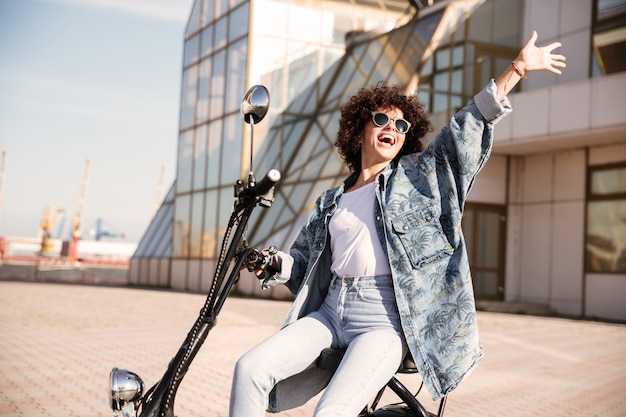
{"type": "Point", "coordinates": [251, 178]}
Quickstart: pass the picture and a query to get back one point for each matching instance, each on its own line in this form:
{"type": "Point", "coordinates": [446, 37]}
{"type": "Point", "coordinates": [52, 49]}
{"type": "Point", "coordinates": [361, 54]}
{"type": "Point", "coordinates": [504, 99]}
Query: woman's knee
{"type": "Point", "coordinates": [249, 367]}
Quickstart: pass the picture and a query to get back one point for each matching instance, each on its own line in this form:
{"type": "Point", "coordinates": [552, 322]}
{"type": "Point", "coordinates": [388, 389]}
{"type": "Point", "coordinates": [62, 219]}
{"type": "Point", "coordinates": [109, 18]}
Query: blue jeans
{"type": "Point", "coordinates": [359, 313]}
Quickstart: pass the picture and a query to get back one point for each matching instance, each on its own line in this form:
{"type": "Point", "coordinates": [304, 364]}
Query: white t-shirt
{"type": "Point", "coordinates": [356, 249]}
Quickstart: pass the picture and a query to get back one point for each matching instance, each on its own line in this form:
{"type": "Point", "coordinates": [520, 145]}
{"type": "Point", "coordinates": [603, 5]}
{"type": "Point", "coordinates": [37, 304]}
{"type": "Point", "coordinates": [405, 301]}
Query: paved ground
{"type": "Point", "coordinates": [58, 343]}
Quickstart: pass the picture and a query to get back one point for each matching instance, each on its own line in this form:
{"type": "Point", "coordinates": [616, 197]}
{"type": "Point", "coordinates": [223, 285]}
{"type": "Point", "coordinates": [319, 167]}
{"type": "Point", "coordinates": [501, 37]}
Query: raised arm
{"type": "Point", "coordinates": [530, 58]}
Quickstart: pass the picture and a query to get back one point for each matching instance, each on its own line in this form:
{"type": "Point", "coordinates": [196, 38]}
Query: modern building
{"type": "Point", "coordinates": [545, 222]}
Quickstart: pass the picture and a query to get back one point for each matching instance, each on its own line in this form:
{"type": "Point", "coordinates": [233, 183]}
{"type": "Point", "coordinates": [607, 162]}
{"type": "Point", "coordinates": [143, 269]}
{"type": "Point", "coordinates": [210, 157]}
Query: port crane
{"type": "Point", "coordinates": [70, 248]}
{"type": "Point", "coordinates": [48, 218]}
{"type": "Point", "coordinates": [81, 204]}
{"type": "Point", "coordinates": [104, 231]}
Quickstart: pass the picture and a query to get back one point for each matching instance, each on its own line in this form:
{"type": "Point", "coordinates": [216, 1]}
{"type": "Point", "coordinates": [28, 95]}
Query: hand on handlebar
{"type": "Point", "coordinates": [262, 263]}
{"type": "Point", "coordinates": [267, 265]}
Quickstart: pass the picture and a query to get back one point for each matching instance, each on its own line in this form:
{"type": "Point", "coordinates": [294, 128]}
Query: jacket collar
{"type": "Point", "coordinates": [331, 196]}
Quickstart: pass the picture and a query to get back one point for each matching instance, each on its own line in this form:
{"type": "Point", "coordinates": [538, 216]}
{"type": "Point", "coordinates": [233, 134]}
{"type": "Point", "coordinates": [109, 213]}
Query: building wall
{"type": "Point", "coordinates": [546, 227]}
{"type": "Point", "coordinates": [565, 21]}
{"type": "Point", "coordinates": [579, 124]}
{"type": "Point", "coordinates": [545, 245]}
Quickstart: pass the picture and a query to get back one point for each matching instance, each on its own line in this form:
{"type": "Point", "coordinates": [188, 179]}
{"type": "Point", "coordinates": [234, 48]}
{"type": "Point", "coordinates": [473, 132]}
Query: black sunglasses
{"type": "Point", "coordinates": [382, 120]}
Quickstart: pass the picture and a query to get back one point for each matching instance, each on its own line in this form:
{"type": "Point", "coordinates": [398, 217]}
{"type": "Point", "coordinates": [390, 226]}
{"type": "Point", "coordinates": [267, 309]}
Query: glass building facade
{"type": "Point", "coordinates": [312, 55]}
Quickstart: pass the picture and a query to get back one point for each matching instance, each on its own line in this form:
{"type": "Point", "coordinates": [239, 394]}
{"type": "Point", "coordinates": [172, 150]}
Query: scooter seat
{"type": "Point", "coordinates": [330, 358]}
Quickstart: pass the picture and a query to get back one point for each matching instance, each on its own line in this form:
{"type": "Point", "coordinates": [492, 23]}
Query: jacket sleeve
{"type": "Point", "coordinates": [462, 148]}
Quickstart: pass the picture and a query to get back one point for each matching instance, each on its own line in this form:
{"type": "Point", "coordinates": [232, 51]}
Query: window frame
{"type": "Point", "coordinates": [595, 198]}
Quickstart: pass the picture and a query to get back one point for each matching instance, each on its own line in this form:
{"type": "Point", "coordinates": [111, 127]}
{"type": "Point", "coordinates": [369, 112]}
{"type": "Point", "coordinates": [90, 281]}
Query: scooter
{"type": "Point", "coordinates": [128, 394]}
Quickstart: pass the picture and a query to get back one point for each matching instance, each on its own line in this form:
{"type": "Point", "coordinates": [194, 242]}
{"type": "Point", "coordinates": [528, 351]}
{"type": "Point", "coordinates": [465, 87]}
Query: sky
{"type": "Point", "coordinates": [88, 79]}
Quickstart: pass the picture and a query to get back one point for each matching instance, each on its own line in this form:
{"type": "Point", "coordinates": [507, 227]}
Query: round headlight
{"type": "Point", "coordinates": [126, 387]}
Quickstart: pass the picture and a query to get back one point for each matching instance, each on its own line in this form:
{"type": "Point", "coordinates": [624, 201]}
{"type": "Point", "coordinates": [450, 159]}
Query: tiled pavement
{"type": "Point", "coordinates": [58, 343]}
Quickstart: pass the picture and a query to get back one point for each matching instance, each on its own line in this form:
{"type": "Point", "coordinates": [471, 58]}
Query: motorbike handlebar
{"type": "Point", "coordinates": [266, 184]}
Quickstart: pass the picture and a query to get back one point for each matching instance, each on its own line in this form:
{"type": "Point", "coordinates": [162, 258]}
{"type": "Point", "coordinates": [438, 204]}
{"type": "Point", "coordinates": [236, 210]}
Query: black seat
{"type": "Point", "coordinates": [330, 358]}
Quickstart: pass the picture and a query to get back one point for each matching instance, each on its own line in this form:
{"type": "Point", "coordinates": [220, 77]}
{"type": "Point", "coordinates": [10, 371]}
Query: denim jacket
{"type": "Point", "coordinates": [418, 220]}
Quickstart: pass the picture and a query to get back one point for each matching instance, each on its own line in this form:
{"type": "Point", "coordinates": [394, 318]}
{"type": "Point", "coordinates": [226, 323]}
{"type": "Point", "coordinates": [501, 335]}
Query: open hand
{"type": "Point", "coordinates": [534, 58]}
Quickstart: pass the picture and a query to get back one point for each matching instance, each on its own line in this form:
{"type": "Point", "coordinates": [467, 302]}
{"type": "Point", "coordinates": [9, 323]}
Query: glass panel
{"type": "Point", "coordinates": [222, 7]}
{"type": "Point", "coordinates": [208, 11]}
{"type": "Point", "coordinates": [218, 81]}
{"type": "Point", "coordinates": [192, 51]}
{"type": "Point", "coordinates": [304, 24]}
{"type": "Point", "coordinates": [609, 37]}
{"type": "Point", "coordinates": [238, 25]}
{"type": "Point", "coordinates": [233, 135]}
{"type": "Point", "coordinates": [458, 56]}
{"type": "Point", "coordinates": [236, 78]}
{"type": "Point", "coordinates": [226, 201]}
{"type": "Point", "coordinates": [180, 243]}
{"type": "Point", "coordinates": [214, 152]}
{"type": "Point", "coordinates": [195, 234]}
{"type": "Point", "coordinates": [301, 73]}
{"type": "Point", "coordinates": [193, 24]}
{"type": "Point", "coordinates": [185, 161]}
{"type": "Point", "coordinates": [470, 89]}
{"type": "Point", "coordinates": [162, 245]}
{"type": "Point", "coordinates": [442, 58]}
{"type": "Point", "coordinates": [267, 56]}
{"type": "Point", "coordinates": [606, 236]}
{"type": "Point", "coordinates": [440, 104]}
{"type": "Point", "coordinates": [157, 231]}
{"type": "Point", "coordinates": [220, 38]}
{"type": "Point", "coordinates": [210, 234]}
{"type": "Point", "coordinates": [200, 158]}
{"type": "Point", "coordinates": [608, 181]}
{"type": "Point", "coordinates": [457, 82]}
{"type": "Point", "coordinates": [371, 56]}
{"type": "Point", "coordinates": [189, 97]}
{"type": "Point", "coordinates": [441, 81]}
{"type": "Point", "coordinates": [206, 41]}
{"type": "Point", "coordinates": [202, 111]}
{"type": "Point", "coordinates": [456, 104]}
{"type": "Point", "coordinates": [342, 25]}
{"type": "Point", "coordinates": [271, 19]}
{"type": "Point", "coordinates": [487, 252]}
{"type": "Point", "coordinates": [292, 132]}
{"type": "Point", "coordinates": [424, 97]}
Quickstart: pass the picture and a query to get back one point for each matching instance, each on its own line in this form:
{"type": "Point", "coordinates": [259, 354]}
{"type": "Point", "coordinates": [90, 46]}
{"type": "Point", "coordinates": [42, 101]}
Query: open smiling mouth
{"type": "Point", "coordinates": [388, 139]}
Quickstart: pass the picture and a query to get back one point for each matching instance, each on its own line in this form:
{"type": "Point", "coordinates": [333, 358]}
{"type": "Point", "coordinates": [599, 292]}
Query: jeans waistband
{"type": "Point", "coordinates": [364, 281]}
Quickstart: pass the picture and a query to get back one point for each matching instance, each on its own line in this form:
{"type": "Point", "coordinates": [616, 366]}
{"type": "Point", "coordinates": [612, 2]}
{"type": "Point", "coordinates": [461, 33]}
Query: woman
{"type": "Point", "coordinates": [381, 267]}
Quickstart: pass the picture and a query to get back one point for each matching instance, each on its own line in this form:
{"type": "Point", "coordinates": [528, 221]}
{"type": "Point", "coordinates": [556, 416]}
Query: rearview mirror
{"type": "Point", "coordinates": [255, 104]}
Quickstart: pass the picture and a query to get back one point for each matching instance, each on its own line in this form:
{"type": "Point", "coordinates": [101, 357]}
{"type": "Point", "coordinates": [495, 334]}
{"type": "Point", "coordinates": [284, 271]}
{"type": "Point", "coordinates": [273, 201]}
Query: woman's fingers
{"type": "Point", "coordinates": [553, 46]}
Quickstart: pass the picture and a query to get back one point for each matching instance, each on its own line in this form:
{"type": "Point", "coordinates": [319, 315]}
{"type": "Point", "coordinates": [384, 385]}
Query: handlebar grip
{"type": "Point", "coordinates": [266, 184]}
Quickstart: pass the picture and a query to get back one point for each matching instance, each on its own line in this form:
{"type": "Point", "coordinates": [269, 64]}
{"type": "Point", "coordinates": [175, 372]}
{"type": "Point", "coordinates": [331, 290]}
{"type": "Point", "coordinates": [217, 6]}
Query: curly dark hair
{"type": "Point", "coordinates": [358, 111]}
